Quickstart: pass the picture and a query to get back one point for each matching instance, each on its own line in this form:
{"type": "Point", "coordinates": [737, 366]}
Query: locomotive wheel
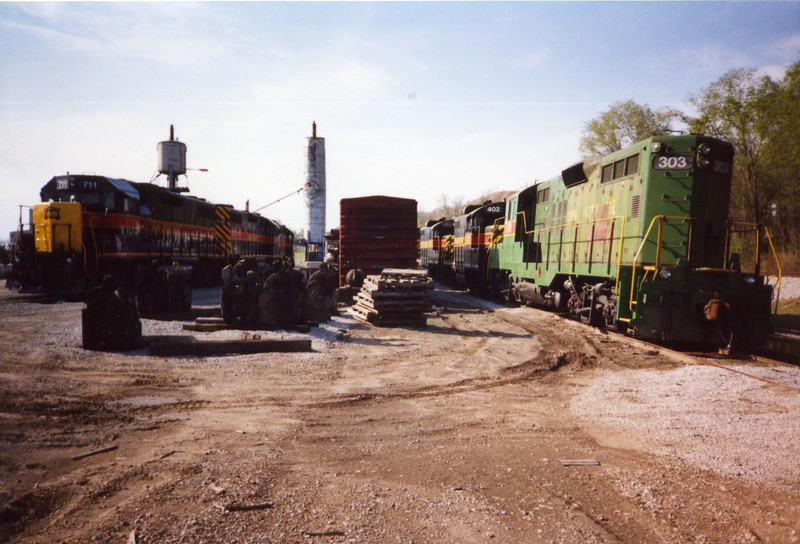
{"type": "Point", "coordinates": [574, 306]}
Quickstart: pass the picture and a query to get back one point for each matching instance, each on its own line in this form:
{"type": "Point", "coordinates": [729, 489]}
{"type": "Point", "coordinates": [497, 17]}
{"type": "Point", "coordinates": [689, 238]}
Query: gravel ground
{"type": "Point", "coordinates": [790, 288]}
{"type": "Point", "coordinates": [732, 418]}
{"type": "Point", "coordinates": [452, 433]}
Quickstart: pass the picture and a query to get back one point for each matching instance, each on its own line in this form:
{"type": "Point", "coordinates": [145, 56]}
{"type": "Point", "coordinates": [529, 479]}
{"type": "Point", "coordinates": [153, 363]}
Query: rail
{"type": "Point", "coordinates": [96, 249]}
{"type": "Point", "coordinates": [662, 219]}
{"type": "Point", "coordinates": [654, 267]}
{"type": "Point", "coordinates": [18, 233]}
{"type": "Point", "coordinates": [756, 228]}
{"type": "Point", "coordinates": [577, 225]}
{"type": "Point", "coordinates": [498, 233]}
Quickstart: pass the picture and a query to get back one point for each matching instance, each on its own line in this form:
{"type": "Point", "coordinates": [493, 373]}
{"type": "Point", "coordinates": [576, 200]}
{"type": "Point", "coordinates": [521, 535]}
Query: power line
{"type": "Point", "coordinates": [281, 198]}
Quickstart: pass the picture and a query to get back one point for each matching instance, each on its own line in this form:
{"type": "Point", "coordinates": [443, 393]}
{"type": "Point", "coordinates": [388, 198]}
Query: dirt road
{"type": "Point", "coordinates": [454, 433]}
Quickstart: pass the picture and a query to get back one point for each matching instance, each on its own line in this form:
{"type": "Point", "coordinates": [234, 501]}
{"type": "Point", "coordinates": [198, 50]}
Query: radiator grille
{"type": "Point", "coordinates": [632, 165]}
{"type": "Point", "coordinates": [608, 173]}
{"type": "Point", "coordinates": [635, 204]}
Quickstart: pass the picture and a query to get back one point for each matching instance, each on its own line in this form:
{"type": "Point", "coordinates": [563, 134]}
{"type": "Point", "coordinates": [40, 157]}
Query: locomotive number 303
{"type": "Point", "coordinates": [721, 166]}
{"type": "Point", "coordinates": [672, 162]}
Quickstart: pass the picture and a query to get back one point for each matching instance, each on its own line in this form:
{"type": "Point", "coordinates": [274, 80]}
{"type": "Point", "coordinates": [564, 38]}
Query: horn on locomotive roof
{"type": "Point", "coordinates": [172, 160]}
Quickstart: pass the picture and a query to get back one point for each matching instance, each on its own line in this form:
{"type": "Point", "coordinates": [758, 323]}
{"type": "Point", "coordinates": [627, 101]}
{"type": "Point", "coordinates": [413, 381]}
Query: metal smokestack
{"type": "Point", "coordinates": [315, 196]}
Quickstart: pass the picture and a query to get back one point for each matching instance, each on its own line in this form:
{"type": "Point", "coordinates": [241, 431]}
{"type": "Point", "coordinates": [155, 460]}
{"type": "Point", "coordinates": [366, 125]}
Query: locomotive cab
{"type": "Point", "coordinates": [58, 247]}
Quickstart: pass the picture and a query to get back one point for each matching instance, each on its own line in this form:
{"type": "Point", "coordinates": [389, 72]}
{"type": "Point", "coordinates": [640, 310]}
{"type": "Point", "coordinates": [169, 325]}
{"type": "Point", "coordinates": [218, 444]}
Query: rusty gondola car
{"type": "Point", "coordinates": [377, 232]}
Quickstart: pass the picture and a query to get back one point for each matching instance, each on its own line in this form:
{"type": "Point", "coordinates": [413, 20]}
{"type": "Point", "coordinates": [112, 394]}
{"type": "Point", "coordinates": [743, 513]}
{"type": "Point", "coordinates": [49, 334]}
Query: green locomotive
{"type": "Point", "coordinates": [639, 239]}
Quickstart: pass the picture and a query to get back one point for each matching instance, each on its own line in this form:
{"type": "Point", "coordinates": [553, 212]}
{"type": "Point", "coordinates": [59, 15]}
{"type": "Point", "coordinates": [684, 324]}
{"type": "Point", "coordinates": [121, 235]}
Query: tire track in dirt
{"type": "Point", "coordinates": [520, 373]}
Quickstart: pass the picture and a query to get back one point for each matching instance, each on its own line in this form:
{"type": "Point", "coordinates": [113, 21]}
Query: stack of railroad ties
{"type": "Point", "coordinates": [396, 297]}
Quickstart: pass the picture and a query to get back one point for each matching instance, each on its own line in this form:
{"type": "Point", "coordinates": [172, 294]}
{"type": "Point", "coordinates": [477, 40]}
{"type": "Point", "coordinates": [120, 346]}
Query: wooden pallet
{"type": "Point", "coordinates": [404, 273]}
{"type": "Point", "coordinates": [396, 297]}
{"type": "Point", "coordinates": [389, 305]}
{"type": "Point", "coordinates": [374, 283]}
{"type": "Point", "coordinates": [368, 315]}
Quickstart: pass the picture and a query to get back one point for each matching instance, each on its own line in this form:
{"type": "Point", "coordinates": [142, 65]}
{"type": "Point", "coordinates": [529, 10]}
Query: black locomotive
{"type": "Point", "coordinates": [87, 227]}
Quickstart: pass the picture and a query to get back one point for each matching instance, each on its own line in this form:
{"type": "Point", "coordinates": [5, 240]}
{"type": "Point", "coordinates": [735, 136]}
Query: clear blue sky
{"type": "Point", "coordinates": [414, 99]}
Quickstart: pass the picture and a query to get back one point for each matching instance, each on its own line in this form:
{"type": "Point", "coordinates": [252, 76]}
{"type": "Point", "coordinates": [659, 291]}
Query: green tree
{"type": "Point", "coordinates": [780, 128]}
{"type": "Point", "coordinates": [623, 124]}
{"type": "Point", "coordinates": [734, 108]}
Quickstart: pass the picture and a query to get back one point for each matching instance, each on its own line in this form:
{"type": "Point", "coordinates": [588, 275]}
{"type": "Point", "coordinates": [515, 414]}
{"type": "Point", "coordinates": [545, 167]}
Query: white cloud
{"type": "Point", "coordinates": [532, 59]}
{"type": "Point", "coordinates": [163, 34]}
{"type": "Point", "coordinates": [357, 77]}
{"type": "Point", "coordinates": [789, 44]}
{"type": "Point", "coordinates": [63, 39]}
{"type": "Point", "coordinates": [774, 72]}
{"type": "Point", "coordinates": [326, 82]}
{"type": "Point", "coordinates": [49, 11]}
{"type": "Point", "coordinates": [243, 81]}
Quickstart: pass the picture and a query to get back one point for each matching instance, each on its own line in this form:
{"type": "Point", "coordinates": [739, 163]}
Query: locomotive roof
{"type": "Point", "coordinates": [122, 185]}
{"type": "Point", "coordinates": [135, 190]}
{"type": "Point", "coordinates": [477, 210]}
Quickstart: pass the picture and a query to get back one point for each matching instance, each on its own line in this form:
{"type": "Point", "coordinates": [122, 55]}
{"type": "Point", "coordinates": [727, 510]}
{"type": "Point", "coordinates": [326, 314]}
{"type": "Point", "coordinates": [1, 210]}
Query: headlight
{"type": "Point", "coordinates": [702, 155]}
{"type": "Point", "coordinates": [665, 273]}
{"type": "Point", "coordinates": [656, 147]}
{"type": "Point", "coordinates": [750, 280]}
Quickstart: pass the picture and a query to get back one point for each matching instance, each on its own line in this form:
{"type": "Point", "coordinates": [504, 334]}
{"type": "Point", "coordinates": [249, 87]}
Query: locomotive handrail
{"type": "Point", "coordinates": [778, 264]}
{"type": "Point", "coordinates": [83, 251]}
{"type": "Point", "coordinates": [18, 232]}
{"type": "Point", "coordinates": [588, 222]}
{"type": "Point", "coordinates": [660, 219]}
{"type": "Point", "coordinates": [96, 249]}
{"type": "Point", "coordinates": [758, 228]}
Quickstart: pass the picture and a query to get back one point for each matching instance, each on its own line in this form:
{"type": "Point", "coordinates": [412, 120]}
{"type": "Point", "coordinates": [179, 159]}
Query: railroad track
{"type": "Point", "coordinates": [695, 358]}
{"type": "Point", "coordinates": [710, 359]}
